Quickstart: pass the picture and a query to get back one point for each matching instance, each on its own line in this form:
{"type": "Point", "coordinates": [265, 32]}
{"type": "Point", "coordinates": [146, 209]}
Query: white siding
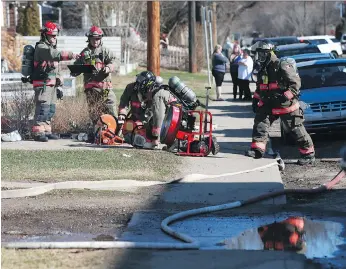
{"type": "Point", "coordinates": [77, 43]}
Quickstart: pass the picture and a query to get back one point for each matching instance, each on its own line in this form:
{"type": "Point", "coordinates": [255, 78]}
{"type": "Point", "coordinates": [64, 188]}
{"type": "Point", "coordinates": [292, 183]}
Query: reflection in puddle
{"type": "Point", "coordinates": [314, 239]}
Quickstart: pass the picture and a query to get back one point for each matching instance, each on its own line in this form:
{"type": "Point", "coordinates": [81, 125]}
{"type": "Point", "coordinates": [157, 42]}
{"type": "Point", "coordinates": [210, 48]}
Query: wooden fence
{"type": "Point", "coordinates": [171, 57]}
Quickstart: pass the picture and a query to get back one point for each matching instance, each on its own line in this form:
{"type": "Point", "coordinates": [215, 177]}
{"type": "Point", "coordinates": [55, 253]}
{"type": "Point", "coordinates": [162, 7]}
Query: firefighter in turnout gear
{"type": "Point", "coordinates": [276, 96]}
{"type": "Point", "coordinates": [98, 85]}
{"type": "Point", "coordinates": [148, 102]}
{"type": "Point", "coordinates": [46, 80]}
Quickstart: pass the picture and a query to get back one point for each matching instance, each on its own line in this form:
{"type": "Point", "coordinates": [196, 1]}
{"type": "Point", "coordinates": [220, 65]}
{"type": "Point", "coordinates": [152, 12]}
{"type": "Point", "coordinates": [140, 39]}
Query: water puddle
{"type": "Point", "coordinates": [323, 240]}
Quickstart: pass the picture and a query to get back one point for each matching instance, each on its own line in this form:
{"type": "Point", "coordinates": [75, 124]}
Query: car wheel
{"type": "Point", "coordinates": [286, 138]}
{"type": "Point", "coordinates": [335, 54]}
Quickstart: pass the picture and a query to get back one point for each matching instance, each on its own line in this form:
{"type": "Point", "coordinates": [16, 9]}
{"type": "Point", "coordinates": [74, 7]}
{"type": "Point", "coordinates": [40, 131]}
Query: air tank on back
{"type": "Point", "coordinates": [28, 61]}
{"type": "Point", "coordinates": [184, 93]}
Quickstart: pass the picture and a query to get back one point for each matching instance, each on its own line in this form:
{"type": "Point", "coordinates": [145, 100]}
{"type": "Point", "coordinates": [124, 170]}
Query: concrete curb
{"type": "Point", "coordinates": [119, 185]}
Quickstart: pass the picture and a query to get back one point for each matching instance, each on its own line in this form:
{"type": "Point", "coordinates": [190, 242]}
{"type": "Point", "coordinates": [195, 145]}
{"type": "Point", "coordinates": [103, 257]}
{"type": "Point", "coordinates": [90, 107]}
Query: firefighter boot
{"type": "Point", "coordinates": [41, 138]}
{"type": "Point", "coordinates": [254, 153]}
{"type": "Point", "coordinates": [307, 159]}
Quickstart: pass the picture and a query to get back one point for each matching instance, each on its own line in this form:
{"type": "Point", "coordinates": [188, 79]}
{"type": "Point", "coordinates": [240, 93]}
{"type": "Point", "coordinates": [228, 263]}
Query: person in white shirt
{"type": "Point", "coordinates": [244, 75]}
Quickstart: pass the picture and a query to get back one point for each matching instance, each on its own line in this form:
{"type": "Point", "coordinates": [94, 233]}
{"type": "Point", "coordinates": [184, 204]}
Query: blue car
{"type": "Point", "coordinates": [312, 56]}
{"type": "Point", "coordinates": [295, 49]}
{"type": "Point", "coordinates": [323, 95]}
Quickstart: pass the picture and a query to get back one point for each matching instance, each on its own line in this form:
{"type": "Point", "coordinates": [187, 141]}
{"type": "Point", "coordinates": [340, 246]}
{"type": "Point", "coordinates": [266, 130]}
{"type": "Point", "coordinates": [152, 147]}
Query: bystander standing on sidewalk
{"type": "Point", "coordinates": [234, 58]}
{"type": "Point", "coordinates": [244, 75]}
{"type": "Point", "coordinates": [219, 68]}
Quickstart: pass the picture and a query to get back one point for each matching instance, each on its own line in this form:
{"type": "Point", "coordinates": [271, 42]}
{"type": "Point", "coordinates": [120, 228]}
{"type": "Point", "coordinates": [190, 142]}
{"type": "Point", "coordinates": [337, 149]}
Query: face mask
{"type": "Point", "coordinates": [262, 56]}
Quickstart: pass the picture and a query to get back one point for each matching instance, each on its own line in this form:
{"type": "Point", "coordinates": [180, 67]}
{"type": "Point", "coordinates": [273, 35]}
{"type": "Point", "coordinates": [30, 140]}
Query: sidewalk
{"type": "Point", "coordinates": [234, 120]}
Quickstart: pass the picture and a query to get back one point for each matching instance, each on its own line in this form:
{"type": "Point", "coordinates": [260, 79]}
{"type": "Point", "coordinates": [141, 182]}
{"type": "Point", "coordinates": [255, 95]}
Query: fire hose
{"type": "Point", "coordinates": [190, 242]}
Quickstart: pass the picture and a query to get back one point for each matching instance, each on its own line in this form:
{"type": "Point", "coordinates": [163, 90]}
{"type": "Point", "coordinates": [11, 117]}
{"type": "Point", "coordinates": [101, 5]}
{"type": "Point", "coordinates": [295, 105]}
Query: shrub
{"type": "Point", "coordinates": [17, 110]}
{"type": "Point", "coordinates": [32, 19]}
{"type": "Point", "coordinates": [71, 115]}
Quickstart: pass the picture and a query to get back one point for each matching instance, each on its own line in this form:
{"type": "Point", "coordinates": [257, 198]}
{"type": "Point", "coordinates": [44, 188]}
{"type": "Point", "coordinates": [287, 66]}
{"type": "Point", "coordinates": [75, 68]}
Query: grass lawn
{"type": "Point", "coordinates": [64, 165]}
{"type": "Point", "coordinates": [56, 258]}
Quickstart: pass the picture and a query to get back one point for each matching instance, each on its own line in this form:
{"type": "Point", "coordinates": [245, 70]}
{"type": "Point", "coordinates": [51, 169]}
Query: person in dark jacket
{"type": "Point", "coordinates": [219, 68]}
{"type": "Point", "coordinates": [234, 58]}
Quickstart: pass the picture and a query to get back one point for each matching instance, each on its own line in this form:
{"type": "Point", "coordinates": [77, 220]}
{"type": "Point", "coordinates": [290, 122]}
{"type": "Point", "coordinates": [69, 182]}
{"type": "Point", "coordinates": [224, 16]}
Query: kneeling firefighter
{"type": "Point", "coordinates": [276, 95]}
{"type": "Point", "coordinates": [148, 99]}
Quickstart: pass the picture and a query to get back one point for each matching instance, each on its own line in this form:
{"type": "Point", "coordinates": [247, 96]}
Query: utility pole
{"type": "Point", "coordinates": [153, 44]}
{"type": "Point", "coordinates": [192, 38]}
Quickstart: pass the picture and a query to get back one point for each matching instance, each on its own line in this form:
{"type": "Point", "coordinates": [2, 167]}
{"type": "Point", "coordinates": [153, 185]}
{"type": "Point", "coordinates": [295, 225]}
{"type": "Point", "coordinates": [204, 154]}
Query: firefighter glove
{"type": "Point", "coordinates": [106, 70]}
{"type": "Point", "coordinates": [75, 56]}
{"type": "Point", "coordinates": [59, 93]}
{"type": "Point", "coordinates": [281, 97]}
{"type": "Point", "coordinates": [105, 93]}
{"type": "Point", "coordinates": [121, 117]}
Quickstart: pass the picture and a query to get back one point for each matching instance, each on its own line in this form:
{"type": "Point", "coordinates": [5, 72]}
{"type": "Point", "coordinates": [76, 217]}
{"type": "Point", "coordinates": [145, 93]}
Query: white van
{"type": "Point", "coordinates": [326, 44]}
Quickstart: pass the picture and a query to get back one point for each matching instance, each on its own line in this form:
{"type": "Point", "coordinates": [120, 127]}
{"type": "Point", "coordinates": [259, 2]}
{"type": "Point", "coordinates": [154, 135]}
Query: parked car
{"type": "Point", "coordinates": [323, 95]}
{"type": "Point", "coordinates": [312, 56]}
{"type": "Point", "coordinates": [278, 41]}
{"type": "Point", "coordinates": [326, 43]}
{"type": "Point", "coordinates": [295, 49]}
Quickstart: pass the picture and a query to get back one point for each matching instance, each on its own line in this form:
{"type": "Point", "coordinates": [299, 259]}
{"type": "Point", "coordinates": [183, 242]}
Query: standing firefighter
{"type": "Point", "coordinates": [46, 80]}
{"type": "Point", "coordinates": [276, 96]}
{"type": "Point", "coordinates": [98, 85]}
{"type": "Point", "coordinates": [148, 102]}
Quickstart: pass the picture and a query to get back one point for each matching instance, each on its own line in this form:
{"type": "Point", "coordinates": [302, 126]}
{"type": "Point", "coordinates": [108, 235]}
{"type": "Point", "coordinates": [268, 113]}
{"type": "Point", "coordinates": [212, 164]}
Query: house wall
{"type": "Point", "coordinates": [77, 43]}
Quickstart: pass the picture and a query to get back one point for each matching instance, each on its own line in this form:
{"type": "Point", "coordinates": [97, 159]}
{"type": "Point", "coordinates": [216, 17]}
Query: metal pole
{"type": "Point", "coordinates": [206, 42]}
{"type": "Point", "coordinates": [214, 24]}
{"type": "Point", "coordinates": [324, 16]}
{"type": "Point", "coordinates": [210, 16]}
{"type": "Point", "coordinates": [192, 38]}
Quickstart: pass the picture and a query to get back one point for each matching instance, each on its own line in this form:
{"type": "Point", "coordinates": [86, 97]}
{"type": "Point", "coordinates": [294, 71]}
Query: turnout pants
{"type": "Point", "coordinates": [292, 121]}
{"type": "Point", "coordinates": [45, 104]}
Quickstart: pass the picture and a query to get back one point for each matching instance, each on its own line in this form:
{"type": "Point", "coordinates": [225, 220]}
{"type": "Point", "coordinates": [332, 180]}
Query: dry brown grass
{"type": "Point", "coordinates": [71, 115]}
